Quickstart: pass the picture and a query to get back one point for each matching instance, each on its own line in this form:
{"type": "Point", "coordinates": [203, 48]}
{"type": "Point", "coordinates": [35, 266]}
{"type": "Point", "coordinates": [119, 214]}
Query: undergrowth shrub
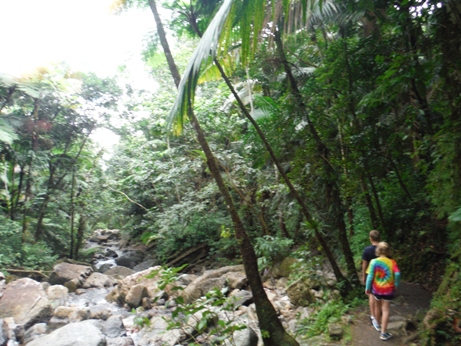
{"type": "Point", "coordinates": [271, 249]}
{"type": "Point", "coordinates": [324, 314]}
{"type": "Point", "coordinates": [10, 242]}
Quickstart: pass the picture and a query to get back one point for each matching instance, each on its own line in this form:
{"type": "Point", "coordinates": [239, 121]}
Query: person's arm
{"type": "Point", "coordinates": [364, 270]}
{"type": "Point", "coordinates": [371, 274]}
{"type": "Point", "coordinates": [396, 275]}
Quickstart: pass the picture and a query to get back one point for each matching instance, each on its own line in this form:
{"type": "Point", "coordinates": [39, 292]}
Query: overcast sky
{"type": "Point", "coordinates": [81, 32]}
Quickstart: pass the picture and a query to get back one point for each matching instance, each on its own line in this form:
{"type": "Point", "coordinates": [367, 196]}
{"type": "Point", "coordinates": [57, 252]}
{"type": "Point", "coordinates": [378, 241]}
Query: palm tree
{"type": "Point", "coordinates": [209, 49]}
{"type": "Point", "coordinates": [272, 329]}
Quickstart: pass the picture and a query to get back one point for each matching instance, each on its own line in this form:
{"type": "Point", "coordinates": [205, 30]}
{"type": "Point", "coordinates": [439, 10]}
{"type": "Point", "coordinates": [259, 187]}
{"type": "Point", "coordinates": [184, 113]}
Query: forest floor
{"type": "Point", "coordinates": [412, 301]}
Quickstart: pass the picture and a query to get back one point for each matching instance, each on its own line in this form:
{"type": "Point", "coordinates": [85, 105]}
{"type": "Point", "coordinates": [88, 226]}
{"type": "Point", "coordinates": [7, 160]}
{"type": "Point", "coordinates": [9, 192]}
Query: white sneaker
{"type": "Point", "coordinates": [375, 324]}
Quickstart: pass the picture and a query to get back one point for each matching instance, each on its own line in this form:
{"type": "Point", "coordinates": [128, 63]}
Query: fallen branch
{"type": "Point", "coordinates": [128, 198]}
{"type": "Point", "coordinates": [24, 271]}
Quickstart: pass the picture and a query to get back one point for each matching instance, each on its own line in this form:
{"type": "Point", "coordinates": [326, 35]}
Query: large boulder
{"type": "Point", "coordinates": [57, 295]}
{"type": "Point", "coordinates": [99, 280]}
{"type": "Point", "coordinates": [64, 272]}
{"type": "Point", "coordinates": [119, 272]}
{"type": "Point", "coordinates": [217, 278]}
{"type": "Point", "coordinates": [84, 333]}
{"type": "Point", "coordinates": [119, 293]}
{"type": "Point", "coordinates": [135, 295]}
{"type": "Point", "coordinates": [283, 268]}
{"type": "Point", "coordinates": [299, 293]}
{"type": "Point", "coordinates": [25, 301]}
{"type": "Point", "coordinates": [130, 260]}
{"type": "Point", "coordinates": [144, 265]}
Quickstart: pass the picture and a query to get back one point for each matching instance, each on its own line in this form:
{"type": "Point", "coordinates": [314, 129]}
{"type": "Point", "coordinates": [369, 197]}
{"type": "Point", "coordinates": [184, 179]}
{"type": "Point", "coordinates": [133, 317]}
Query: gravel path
{"type": "Point", "coordinates": [412, 300]}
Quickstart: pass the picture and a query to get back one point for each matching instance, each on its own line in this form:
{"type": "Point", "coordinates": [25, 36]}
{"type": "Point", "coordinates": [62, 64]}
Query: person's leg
{"type": "Point", "coordinates": [385, 306]}
{"type": "Point", "coordinates": [376, 308]}
{"type": "Point", "coordinates": [371, 303]}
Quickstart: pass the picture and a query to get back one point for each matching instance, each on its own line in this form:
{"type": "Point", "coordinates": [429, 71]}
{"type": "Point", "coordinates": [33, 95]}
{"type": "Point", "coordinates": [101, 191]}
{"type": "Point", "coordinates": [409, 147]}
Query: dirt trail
{"type": "Point", "coordinates": [411, 300]}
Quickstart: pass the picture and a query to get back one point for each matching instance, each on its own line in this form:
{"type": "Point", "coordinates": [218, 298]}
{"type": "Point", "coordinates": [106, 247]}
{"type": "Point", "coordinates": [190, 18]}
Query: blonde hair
{"type": "Point", "coordinates": [382, 249]}
{"type": "Point", "coordinates": [374, 235]}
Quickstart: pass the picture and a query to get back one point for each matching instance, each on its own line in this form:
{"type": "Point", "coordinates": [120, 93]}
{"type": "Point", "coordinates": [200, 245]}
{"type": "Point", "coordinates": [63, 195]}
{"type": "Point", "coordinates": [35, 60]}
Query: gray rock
{"type": "Point", "coordinates": [283, 269]}
{"type": "Point", "coordinates": [74, 334]}
{"type": "Point", "coordinates": [71, 314]}
{"type": "Point", "coordinates": [73, 285]}
{"type": "Point", "coordinates": [57, 295]}
{"type": "Point", "coordinates": [145, 265]}
{"type": "Point", "coordinates": [119, 293]}
{"type": "Point", "coordinates": [146, 303]}
{"type": "Point", "coordinates": [35, 332]}
{"type": "Point", "coordinates": [119, 272]}
{"type": "Point", "coordinates": [99, 280]}
{"type": "Point", "coordinates": [110, 253]}
{"type": "Point", "coordinates": [209, 280]}
{"type": "Point", "coordinates": [335, 331]}
{"type": "Point", "coordinates": [244, 337]}
{"type": "Point", "coordinates": [19, 331]}
{"type": "Point", "coordinates": [64, 272]}
{"type": "Point", "coordinates": [398, 328]}
{"type": "Point", "coordinates": [99, 312]}
{"type": "Point", "coordinates": [114, 327]}
{"type": "Point", "coordinates": [25, 301]}
{"type": "Point", "coordinates": [3, 332]}
{"type": "Point", "coordinates": [130, 260]}
{"type": "Point", "coordinates": [122, 341]}
{"type": "Point", "coordinates": [135, 295]}
{"type": "Point", "coordinates": [45, 285]}
{"type": "Point", "coordinates": [300, 293]}
{"type": "Point", "coordinates": [156, 333]}
{"type": "Point", "coordinates": [105, 267]}
{"type": "Point", "coordinates": [238, 298]}
{"type": "Point", "coordinates": [236, 280]}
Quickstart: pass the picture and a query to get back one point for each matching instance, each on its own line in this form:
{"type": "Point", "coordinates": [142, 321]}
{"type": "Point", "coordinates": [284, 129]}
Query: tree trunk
{"type": "Point", "coordinates": [345, 285]}
{"type": "Point", "coordinates": [72, 215]}
{"type": "Point", "coordinates": [377, 201]}
{"type": "Point", "coordinates": [270, 325]}
{"type": "Point", "coordinates": [369, 202]}
{"type": "Point", "coordinates": [323, 154]}
{"type": "Point", "coordinates": [80, 233]}
{"type": "Point", "coordinates": [166, 48]}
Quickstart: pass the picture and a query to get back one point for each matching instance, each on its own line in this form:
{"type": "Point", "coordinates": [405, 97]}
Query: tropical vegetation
{"type": "Point", "coordinates": [296, 125]}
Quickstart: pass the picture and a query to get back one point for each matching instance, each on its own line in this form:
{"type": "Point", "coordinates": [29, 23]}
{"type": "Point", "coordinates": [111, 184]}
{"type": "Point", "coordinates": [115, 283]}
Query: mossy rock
{"type": "Point", "coordinates": [283, 268]}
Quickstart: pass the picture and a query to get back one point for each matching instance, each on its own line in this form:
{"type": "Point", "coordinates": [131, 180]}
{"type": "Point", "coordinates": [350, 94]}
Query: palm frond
{"type": "Point", "coordinates": [212, 73]}
{"type": "Point", "coordinates": [7, 134]}
{"type": "Point", "coordinates": [28, 87]}
{"type": "Point", "coordinates": [206, 49]}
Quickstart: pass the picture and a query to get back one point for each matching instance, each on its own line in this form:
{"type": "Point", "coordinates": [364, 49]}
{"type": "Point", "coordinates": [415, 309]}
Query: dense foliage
{"type": "Point", "coordinates": [359, 102]}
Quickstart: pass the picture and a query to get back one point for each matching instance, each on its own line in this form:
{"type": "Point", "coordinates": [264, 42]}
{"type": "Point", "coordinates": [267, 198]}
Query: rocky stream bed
{"type": "Point", "coordinates": [120, 301]}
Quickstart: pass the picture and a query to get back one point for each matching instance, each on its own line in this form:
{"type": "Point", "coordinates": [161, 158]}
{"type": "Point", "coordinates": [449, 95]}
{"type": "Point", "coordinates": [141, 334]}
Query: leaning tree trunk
{"type": "Point", "coordinates": [272, 329]}
{"type": "Point", "coordinates": [269, 323]}
{"type": "Point", "coordinates": [166, 48]}
{"type": "Point", "coordinates": [345, 286]}
{"type": "Point", "coordinates": [323, 152]}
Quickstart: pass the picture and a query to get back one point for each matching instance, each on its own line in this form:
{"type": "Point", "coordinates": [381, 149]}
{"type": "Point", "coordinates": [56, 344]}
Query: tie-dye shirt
{"type": "Point", "coordinates": [383, 276]}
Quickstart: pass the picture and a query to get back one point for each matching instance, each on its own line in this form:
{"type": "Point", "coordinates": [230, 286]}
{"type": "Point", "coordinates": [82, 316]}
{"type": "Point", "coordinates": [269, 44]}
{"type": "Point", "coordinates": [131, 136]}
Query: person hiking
{"type": "Point", "coordinates": [382, 281]}
{"type": "Point", "coordinates": [369, 253]}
